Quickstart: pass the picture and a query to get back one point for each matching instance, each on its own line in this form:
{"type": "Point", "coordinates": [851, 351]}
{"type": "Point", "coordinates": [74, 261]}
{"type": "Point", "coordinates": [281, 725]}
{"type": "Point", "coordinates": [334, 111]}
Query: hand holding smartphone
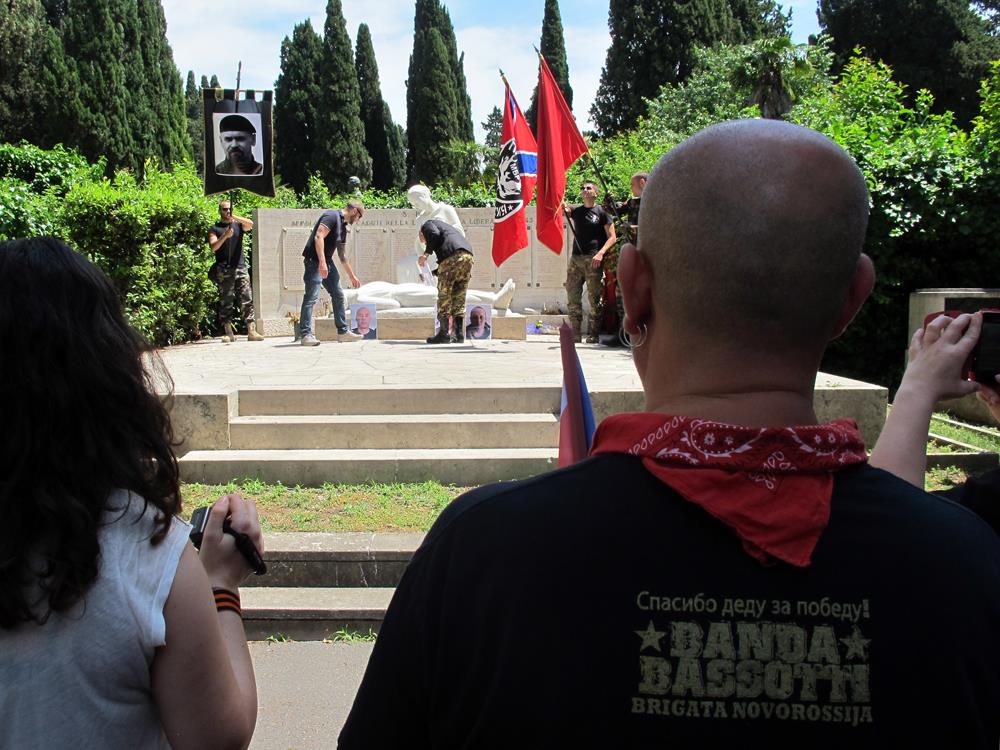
{"type": "Point", "coordinates": [199, 520]}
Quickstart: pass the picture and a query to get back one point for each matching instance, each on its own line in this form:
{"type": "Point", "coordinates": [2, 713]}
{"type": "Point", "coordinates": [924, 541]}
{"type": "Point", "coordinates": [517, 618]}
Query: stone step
{"type": "Point", "coordinates": [349, 559]}
{"type": "Point", "coordinates": [312, 468]}
{"type": "Point", "coordinates": [349, 432]}
{"type": "Point", "coordinates": [312, 614]}
{"type": "Point", "coordinates": [372, 398]}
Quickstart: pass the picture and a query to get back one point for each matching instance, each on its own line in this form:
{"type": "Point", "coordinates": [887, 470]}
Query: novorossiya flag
{"type": "Point", "coordinates": [516, 175]}
{"type": "Point", "coordinates": [559, 145]}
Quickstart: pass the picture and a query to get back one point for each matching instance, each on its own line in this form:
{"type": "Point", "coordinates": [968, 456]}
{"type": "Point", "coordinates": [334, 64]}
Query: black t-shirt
{"type": "Point", "coordinates": [594, 608]}
{"type": "Point", "coordinates": [334, 221]}
{"type": "Point", "coordinates": [231, 251]}
{"type": "Point", "coordinates": [588, 225]}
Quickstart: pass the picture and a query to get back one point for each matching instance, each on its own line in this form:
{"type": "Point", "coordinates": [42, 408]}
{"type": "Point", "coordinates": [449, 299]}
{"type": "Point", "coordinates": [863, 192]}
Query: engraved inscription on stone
{"type": "Point", "coordinates": [372, 245]}
{"type": "Point", "coordinates": [549, 269]}
{"type": "Point", "coordinates": [401, 244]}
{"type": "Point", "coordinates": [483, 270]}
{"type": "Point", "coordinates": [293, 239]}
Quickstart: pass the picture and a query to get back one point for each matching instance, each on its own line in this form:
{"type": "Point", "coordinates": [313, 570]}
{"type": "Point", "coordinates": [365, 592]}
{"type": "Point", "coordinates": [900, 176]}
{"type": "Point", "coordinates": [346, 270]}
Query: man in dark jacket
{"type": "Point", "coordinates": [454, 257]}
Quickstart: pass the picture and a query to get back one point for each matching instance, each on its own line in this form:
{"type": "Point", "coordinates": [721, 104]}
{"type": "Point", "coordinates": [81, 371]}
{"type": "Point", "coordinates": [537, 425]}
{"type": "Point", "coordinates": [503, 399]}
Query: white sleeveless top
{"type": "Point", "coordinates": [82, 679]}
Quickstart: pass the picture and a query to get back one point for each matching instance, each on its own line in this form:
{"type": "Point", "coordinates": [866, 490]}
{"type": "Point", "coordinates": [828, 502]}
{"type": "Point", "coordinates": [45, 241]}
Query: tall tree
{"type": "Point", "coordinates": [493, 128]}
{"type": "Point", "coordinates": [298, 125]}
{"type": "Point", "coordinates": [431, 115]}
{"type": "Point", "coordinates": [195, 122]}
{"type": "Point", "coordinates": [162, 91]}
{"type": "Point", "coordinates": [341, 150]}
{"type": "Point", "coordinates": [758, 19]}
{"type": "Point", "coordinates": [94, 43]}
{"type": "Point", "coordinates": [378, 122]}
{"type": "Point", "coordinates": [37, 95]}
{"type": "Point", "coordinates": [940, 45]}
{"type": "Point", "coordinates": [438, 108]}
{"type": "Point", "coordinates": [652, 44]}
{"type": "Point", "coordinates": [553, 47]}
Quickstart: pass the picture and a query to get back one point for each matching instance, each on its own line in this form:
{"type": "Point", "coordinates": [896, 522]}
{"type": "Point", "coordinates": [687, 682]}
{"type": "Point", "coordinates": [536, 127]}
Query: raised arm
{"type": "Point", "coordinates": [934, 372]}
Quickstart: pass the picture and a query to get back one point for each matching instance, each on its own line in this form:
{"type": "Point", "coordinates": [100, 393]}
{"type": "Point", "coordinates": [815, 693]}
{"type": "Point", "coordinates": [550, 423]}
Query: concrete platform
{"type": "Point", "coordinates": [510, 327]}
{"type": "Point", "coordinates": [393, 411]}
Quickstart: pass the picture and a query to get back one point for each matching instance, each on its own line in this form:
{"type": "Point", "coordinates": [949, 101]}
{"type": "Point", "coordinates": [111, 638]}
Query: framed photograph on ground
{"type": "Point", "coordinates": [364, 321]}
{"type": "Point", "coordinates": [478, 322]}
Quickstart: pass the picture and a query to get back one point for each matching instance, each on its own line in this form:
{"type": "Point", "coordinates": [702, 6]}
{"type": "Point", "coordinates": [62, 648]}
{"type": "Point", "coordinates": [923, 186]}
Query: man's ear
{"type": "Point", "coordinates": [636, 280]}
{"type": "Point", "coordinates": [861, 286]}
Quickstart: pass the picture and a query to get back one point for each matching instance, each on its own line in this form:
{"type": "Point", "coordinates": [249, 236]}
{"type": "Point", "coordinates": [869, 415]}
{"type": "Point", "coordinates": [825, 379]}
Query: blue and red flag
{"type": "Point", "coordinates": [516, 176]}
{"type": "Point", "coordinates": [576, 418]}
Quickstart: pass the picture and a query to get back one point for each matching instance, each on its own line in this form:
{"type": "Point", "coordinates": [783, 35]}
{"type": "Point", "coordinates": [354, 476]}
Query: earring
{"type": "Point", "coordinates": [639, 340]}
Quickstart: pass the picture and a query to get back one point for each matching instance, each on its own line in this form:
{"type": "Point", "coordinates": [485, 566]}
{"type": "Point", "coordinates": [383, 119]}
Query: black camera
{"type": "Point", "coordinates": [199, 519]}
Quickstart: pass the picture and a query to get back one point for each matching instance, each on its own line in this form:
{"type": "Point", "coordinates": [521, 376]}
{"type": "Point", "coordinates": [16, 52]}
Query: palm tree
{"type": "Point", "coordinates": [773, 70]}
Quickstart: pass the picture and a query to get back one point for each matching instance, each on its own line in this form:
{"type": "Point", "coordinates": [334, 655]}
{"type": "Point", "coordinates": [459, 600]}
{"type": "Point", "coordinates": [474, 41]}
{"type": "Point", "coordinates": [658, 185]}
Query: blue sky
{"type": "Point", "coordinates": [212, 37]}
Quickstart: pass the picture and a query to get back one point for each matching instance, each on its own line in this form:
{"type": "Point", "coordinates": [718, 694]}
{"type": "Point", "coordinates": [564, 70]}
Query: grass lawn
{"type": "Point", "coordinates": [334, 507]}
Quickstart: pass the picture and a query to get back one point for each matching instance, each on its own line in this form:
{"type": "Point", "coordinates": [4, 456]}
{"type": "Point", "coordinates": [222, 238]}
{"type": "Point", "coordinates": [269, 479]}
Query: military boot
{"type": "Point", "coordinates": [228, 334]}
{"type": "Point", "coordinates": [252, 334]}
{"type": "Point", "coordinates": [442, 336]}
{"type": "Point", "coordinates": [575, 324]}
{"type": "Point", "coordinates": [458, 332]}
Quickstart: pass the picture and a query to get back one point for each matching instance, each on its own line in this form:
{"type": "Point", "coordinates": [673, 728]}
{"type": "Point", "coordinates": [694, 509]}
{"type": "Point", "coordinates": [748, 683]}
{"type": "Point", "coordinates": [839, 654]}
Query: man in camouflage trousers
{"type": "Point", "coordinates": [454, 256]}
{"type": "Point", "coordinates": [593, 235]}
{"type": "Point", "coordinates": [229, 272]}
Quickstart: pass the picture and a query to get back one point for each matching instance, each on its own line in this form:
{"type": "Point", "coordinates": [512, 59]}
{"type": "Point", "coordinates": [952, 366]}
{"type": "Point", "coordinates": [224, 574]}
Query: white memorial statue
{"type": "Point", "coordinates": [419, 197]}
{"type": "Point", "coordinates": [387, 296]}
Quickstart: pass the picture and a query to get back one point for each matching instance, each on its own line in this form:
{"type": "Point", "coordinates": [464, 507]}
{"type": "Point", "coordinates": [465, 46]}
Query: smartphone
{"type": "Point", "coordinates": [983, 364]}
{"type": "Point", "coordinates": [986, 355]}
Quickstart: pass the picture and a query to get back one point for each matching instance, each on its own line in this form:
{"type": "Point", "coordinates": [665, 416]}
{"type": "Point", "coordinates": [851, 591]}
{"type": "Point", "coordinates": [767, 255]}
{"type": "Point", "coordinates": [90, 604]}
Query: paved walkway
{"type": "Point", "coordinates": [304, 692]}
{"type": "Point", "coordinates": [210, 366]}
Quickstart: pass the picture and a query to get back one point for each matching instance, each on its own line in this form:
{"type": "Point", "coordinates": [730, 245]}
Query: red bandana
{"type": "Point", "coordinates": [771, 485]}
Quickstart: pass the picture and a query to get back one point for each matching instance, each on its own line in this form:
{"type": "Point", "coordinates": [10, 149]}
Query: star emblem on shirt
{"type": "Point", "coordinates": [857, 646]}
{"type": "Point", "coordinates": [650, 637]}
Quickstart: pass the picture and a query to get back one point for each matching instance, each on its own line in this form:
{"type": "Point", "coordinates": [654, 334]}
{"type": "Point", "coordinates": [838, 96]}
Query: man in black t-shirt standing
{"type": "Point", "coordinates": [593, 236]}
{"type": "Point", "coordinates": [229, 272]}
{"type": "Point", "coordinates": [329, 234]}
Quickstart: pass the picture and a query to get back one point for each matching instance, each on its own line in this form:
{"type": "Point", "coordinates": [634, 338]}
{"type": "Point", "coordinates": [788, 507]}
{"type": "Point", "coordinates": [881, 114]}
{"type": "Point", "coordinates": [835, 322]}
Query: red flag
{"type": "Point", "coordinates": [559, 145]}
{"type": "Point", "coordinates": [516, 176]}
{"type": "Point", "coordinates": [576, 417]}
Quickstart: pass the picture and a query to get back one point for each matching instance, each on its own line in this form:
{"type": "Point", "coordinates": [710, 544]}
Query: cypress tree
{"type": "Point", "coordinates": [431, 118]}
{"type": "Point", "coordinates": [297, 123]}
{"type": "Point", "coordinates": [214, 83]}
{"type": "Point", "coordinates": [553, 47]}
{"type": "Point", "coordinates": [940, 45]}
{"type": "Point", "coordinates": [94, 44]}
{"type": "Point", "coordinates": [37, 95]}
{"type": "Point", "coordinates": [162, 92]}
{"type": "Point", "coordinates": [375, 115]}
{"type": "Point", "coordinates": [195, 123]}
{"type": "Point", "coordinates": [438, 108]}
{"type": "Point", "coordinates": [397, 148]}
{"type": "Point", "coordinates": [643, 57]}
{"type": "Point", "coordinates": [341, 150]}
{"type": "Point", "coordinates": [493, 127]}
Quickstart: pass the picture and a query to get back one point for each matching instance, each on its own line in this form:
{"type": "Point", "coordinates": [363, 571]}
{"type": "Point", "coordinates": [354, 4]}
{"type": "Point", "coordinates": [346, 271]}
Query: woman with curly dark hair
{"type": "Point", "coordinates": [109, 636]}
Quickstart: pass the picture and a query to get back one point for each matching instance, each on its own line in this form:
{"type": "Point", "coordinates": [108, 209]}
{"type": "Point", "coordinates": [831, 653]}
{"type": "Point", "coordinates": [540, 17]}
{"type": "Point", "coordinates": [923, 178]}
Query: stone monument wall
{"type": "Point", "coordinates": [375, 245]}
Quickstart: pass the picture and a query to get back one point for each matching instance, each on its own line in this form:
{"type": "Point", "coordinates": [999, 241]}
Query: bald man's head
{"type": "Point", "coordinates": [752, 230]}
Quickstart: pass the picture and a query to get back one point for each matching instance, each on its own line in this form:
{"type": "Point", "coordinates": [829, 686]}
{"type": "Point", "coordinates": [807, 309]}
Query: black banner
{"type": "Point", "coordinates": [238, 141]}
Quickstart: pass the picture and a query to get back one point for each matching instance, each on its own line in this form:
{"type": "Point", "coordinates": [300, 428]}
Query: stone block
{"type": "Point", "coordinates": [201, 420]}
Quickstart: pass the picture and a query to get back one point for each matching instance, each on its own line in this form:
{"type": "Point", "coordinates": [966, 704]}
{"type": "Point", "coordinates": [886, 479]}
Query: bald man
{"type": "Point", "coordinates": [724, 571]}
